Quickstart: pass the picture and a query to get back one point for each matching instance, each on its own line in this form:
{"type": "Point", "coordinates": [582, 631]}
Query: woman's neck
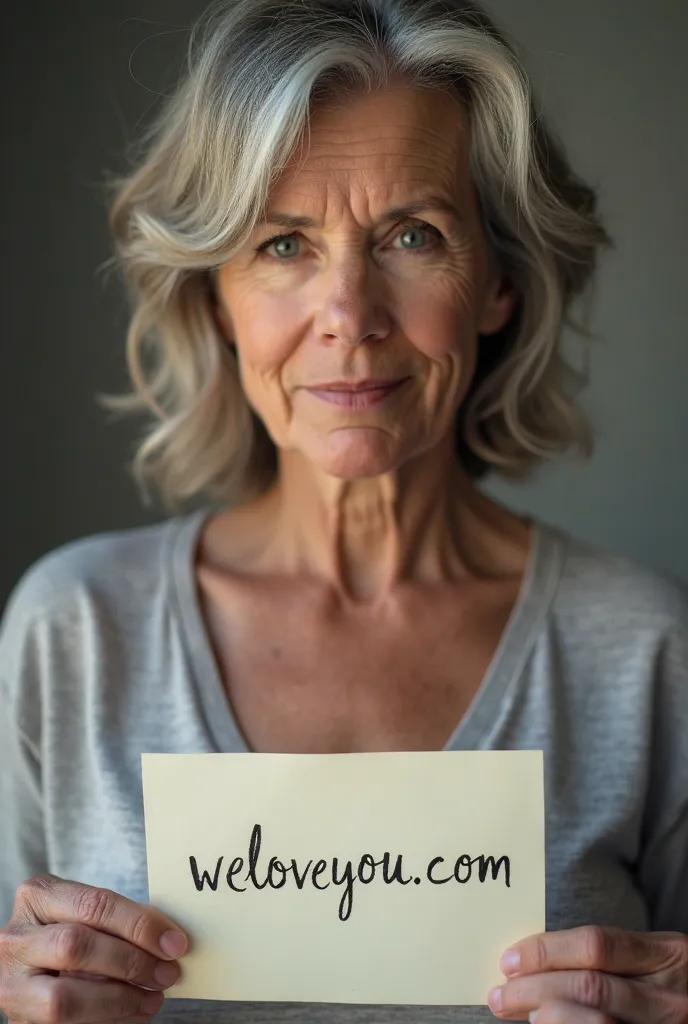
{"type": "Point", "coordinates": [424, 523]}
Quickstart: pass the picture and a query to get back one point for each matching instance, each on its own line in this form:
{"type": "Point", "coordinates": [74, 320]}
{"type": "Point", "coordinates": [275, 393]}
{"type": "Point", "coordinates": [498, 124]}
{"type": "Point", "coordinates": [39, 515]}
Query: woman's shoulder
{"type": "Point", "coordinates": [87, 620]}
{"type": "Point", "coordinates": [603, 588]}
{"type": "Point", "coordinates": [113, 567]}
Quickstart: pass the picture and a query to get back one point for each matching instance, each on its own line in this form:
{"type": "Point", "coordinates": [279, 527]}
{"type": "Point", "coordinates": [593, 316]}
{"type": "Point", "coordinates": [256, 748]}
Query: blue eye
{"type": "Point", "coordinates": [417, 228]}
{"type": "Point", "coordinates": [420, 229]}
{"type": "Point", "coordinates": [273, 241]}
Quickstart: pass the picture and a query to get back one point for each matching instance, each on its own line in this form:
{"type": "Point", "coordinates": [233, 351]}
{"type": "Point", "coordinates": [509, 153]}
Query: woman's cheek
{"type": "Point", "coordinates": [268, 399]}
{"type": "Point", "coordinates": [440, 332]}
{"type": "Point", "coordinates": [446, 385]}
{"type": "Point", "coordinates": [437, 310]}
{"type": "Point", "coordinates": [261, 357]}
{"type": "Point", "coordinates": [441, 327]}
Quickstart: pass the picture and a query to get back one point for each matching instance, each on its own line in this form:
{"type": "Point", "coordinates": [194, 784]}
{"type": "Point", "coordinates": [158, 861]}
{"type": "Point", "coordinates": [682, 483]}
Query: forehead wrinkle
{"type": "Point", "coordinates": [435, 171]}
{"type": "Point", "coordinates": [380, 162]}
{"type": "Point", "coordinates": [343, 165]}
{"type": "Point", "coordinates": [412, 208]}
{"type": "Point", "coordinates": [384, 132]}
{"type": "Point", "coordinates": [343, 187]}
{"type": "Point", "coordinates": [362, 154]}
{"type": "Point", "coordinates": [327, 139]}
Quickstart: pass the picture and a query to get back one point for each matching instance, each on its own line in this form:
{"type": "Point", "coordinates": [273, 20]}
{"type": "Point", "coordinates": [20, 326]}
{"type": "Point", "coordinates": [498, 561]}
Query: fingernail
{"type": "Point", "coordinates": [173, 943]}
{"type": "Point", "coordinates": [532, 1017]}
{"type": "Point", "coordinates": [495, 1000]}
{"type": "Point", "coordinates": [166, 973]}
{"type": "Point", "coordinates": [151, 1002]}
{"type": "Point", "coordinates": [510, 962]}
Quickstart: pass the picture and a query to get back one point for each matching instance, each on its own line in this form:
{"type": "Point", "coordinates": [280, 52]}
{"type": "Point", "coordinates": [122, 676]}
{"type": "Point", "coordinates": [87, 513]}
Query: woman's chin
{"type": "Point", "coordinates": [363, 452]}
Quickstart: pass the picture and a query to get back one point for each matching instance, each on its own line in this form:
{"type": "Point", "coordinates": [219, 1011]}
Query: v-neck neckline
{"type": "Point", "coordinates": [490, 702]}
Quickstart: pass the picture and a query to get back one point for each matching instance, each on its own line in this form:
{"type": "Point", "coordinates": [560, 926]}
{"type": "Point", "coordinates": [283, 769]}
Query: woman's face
{"type": "Point", "coordinates": [356, 331]}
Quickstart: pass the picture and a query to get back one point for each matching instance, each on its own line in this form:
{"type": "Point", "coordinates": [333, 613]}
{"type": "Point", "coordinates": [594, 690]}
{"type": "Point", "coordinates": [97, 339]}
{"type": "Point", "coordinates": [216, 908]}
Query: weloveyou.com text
{"type": "Point", "coordinates": [386, 869]}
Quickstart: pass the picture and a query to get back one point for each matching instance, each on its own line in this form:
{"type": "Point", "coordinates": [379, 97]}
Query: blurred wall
{"type": "Point", "coordinates": [77, 79]}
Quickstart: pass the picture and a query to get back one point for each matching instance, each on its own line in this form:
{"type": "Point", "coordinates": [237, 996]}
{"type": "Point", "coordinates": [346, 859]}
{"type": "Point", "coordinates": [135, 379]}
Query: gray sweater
{"type": "Point", "coordinates": [104, 655]}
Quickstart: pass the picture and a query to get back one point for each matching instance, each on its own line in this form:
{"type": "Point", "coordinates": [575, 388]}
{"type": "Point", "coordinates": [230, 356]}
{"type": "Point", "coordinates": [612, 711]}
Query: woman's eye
{"type": "Point", "coordinates": [278, 240]}
{"type": "Point", "coordinates": [419, 236]}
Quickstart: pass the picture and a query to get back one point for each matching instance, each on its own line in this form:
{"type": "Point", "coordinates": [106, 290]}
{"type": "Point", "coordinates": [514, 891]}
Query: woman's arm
{"type": "Point", "coordinates": [22, 837]}
{"type": "Point", "coordinates": [663, 867]}
{"type": "Point", "coordinates": [23, 850]}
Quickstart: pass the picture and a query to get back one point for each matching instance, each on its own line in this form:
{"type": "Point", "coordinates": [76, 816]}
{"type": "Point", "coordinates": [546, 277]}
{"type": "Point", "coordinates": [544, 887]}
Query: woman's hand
{"type": "Point", "coordinates": [595, 976]}
{"type": "Point", "coordinates": [74, 953]}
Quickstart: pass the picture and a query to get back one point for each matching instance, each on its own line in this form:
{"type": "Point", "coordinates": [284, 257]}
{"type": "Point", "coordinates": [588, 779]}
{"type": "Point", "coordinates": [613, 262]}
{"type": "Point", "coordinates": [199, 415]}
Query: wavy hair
{"type": "Point", "coordinates": [201, 178]}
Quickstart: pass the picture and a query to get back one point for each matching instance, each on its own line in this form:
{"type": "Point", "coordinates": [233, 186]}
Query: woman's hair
{"type": "Point", "coordinates": [256, 68]}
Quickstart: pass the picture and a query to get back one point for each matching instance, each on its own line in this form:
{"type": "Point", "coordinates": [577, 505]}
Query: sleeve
{"type": "Point", "coordinates": [22, 831]}
{"type": "Point", "coordinates": [664, 861]}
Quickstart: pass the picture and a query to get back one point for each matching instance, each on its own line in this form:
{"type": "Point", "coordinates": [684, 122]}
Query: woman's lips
{"type": "Point", "coordinates": [361, 395]}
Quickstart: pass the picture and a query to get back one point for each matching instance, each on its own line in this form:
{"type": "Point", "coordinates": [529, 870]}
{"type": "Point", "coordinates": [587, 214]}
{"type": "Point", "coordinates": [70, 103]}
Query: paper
{"type": "Point", "coordinates": [347, 878]}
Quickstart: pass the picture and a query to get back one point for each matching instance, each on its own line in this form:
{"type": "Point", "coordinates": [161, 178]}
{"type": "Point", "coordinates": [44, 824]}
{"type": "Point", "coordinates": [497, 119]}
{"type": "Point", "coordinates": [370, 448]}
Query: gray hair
{"type": "Point", "coordinates": [201, 181]}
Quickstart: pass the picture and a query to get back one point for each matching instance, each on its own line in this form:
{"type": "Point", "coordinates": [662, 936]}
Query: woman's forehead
{"type": "Point", "coordinates": [387, 121]}
{"type": "Point", "coordinates": [386, 148]}
{"type": "Point", "coordinates": [398, 100]}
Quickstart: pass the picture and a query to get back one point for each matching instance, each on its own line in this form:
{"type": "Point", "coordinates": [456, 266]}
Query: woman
{"type": "Point", "coordinates": [351, 247]}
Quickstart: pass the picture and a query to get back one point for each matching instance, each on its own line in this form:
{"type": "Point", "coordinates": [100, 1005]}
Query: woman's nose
{"type": "Point", "coordinates": [352, 308]}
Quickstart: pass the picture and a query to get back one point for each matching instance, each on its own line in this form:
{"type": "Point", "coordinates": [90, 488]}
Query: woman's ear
{"type": "Point", "coordinates": [498, 305]}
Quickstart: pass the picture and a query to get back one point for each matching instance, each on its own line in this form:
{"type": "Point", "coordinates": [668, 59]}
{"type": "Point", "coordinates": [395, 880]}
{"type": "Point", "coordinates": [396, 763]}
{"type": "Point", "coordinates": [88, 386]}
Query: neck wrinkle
{"type": "Point", "coordinates": [365, 537]}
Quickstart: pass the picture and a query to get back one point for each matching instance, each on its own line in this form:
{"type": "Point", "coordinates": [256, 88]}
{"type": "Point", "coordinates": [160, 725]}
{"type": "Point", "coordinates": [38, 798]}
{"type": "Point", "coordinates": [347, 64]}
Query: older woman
{"type": "Point", "coordinates": [351, 247]}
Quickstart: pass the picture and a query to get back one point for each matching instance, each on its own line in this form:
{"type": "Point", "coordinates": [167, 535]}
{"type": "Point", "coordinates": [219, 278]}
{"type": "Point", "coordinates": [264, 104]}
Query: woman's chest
{"type": "Point", "coordinates": [302, 675]}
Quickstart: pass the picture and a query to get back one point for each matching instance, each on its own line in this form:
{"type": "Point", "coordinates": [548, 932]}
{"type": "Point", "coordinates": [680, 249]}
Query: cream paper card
{"type": "Point", "coordinates": [347, 878]}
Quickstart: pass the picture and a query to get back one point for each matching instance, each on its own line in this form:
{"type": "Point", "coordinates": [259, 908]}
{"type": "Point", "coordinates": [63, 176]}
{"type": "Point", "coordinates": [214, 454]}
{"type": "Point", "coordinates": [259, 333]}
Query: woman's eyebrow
{"type": "Point", "coordinates": [287, 220]}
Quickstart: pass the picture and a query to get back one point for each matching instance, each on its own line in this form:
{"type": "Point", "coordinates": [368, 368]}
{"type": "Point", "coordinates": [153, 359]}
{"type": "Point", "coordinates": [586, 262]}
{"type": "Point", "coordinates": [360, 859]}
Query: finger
{"type": "Point", "coordinates": [619, 998]}
{"type": "Point", "coordinates": [52, 900]}
{"type": "Point", "coordinates": [44, 999]}
{"type": "Point", "coordinates": [79, 948]}
{"type": "Point", "coordinates": [87, 975]}
{"type": "Point", "coordinates": [561, 1012]}
{"type": "Point", "coordinates": [138, 1019]}
{"type": "Point", "coordinates": [612, 950]}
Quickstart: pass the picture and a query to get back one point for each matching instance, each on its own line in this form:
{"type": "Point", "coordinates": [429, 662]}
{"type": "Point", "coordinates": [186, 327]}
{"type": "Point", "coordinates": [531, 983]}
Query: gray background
{"type": "Point", "coordinates": [78, 77]}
